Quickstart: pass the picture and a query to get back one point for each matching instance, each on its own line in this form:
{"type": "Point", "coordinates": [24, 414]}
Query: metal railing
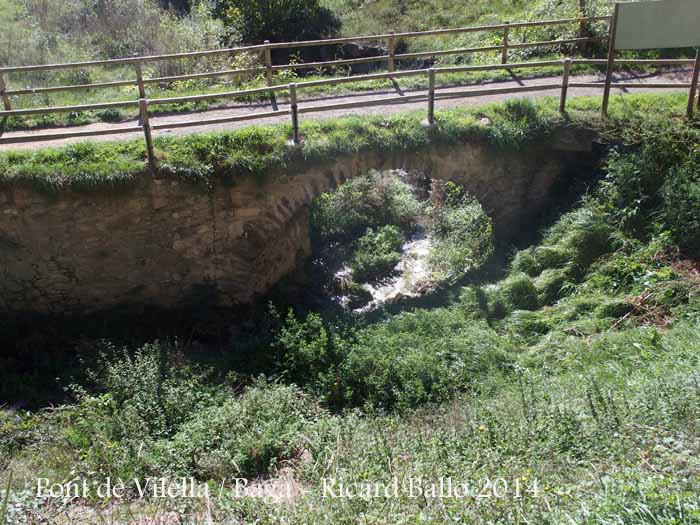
{"type": "Point", "coordinates": [431, 95]}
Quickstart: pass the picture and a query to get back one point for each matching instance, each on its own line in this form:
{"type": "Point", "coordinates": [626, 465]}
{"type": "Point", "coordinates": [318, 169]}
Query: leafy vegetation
{"type": "Point", "coordinates": [463, 234]}
{"type": "Point", "coordinates": [377, 253]}
{"type": "Point", "coordinates": [373, 200]}
{"type": "Point", "coordinates": [276, 21]}
{"type": "Point", "coordinates": [573, 373]}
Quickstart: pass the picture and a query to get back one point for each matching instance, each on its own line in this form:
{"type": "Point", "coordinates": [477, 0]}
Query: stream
{"type": "Point", "coordinates": [410, 278]}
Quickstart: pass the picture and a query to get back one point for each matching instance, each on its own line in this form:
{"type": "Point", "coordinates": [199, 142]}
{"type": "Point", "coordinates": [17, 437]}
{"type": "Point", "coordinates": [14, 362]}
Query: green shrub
{"type": "Point", "coordinates": [665, 159]}
{"type": "Point", "coordinates": [377, 253]}
{"type": "Point", "coordinates": [308, 353]}
{"type": "Point", "coordinates": [525, 262]}
{"type": "Point", "coordinates": [371, 201]}
{"type": "Point", "coordinates": [473, 303]}
{"type": "Point", "coordinates": [278, 21]}
{"type": "Point", "coordinates": [553, 283]}
{"type": "Point", "coordinates": [145, 397]}
{"type": "Point", "coordinates": [413, 358]}
{"type": "Point", "coordinates": [247, 436]}
{"type": "Point", "coordinates": [463, 239]}
{"type": "Point", "coordinates": [519, 293]}
{"type": "Point", "coordinates": [150, 389]}
{"type": "Point", "coordinates": [419, 357]}
{"type": "Point", "coordinates": [680, 209]}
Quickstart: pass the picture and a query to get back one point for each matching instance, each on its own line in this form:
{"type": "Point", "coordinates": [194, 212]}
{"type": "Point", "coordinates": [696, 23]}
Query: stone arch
{"type": "Point", "coordinates": [158, 243]}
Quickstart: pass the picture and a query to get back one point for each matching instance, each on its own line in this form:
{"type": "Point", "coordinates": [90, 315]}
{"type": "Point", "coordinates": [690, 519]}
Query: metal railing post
{"type": "Point", "coordinates": [431, 96]}
{"type": "Point", "coordinates": [295, 112]}
{"type": "Point", "coordinates": [145, 124]}
{"type": "Point", "coordinates": [139, 80]}
{"type": "Point", "coordinates": [3, 93]}
{"type": "Point", "coordinates": [565, 85]}
{"type": "Point", "coordinates": [391, 47]}
{"type": "Point", "coordinates": [268, 72]}
{"type": "Point", "coordinates": [506, 42]}
{"type": "Point", "coordinates": [694, 85]}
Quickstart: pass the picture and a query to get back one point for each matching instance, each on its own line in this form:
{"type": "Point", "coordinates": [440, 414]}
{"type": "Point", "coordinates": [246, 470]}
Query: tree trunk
{"type": "Point", "coordinates": [584, 28]}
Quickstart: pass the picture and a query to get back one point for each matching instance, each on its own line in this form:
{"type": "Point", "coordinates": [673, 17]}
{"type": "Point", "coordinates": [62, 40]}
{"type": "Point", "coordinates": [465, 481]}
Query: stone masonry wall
{"type": "Point", "coordinates": [166, 243]}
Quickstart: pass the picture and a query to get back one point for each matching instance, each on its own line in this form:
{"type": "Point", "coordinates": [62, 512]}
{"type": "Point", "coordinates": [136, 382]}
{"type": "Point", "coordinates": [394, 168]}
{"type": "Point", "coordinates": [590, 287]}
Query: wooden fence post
{"type": "Point", "coordinates": [143, 120]}
{"type": "Point", "coordinates": [694, 85]}
{"type": "Point", "coordinates": [431, 96]}
{"type": "Point", "coordinates": [506, 42]}
{"type": "Point", "coordinates": [139, 80]}
{"type": "Point", "coordinates": [611, 61]}
{"type": "Point", "coordinates": [3, 94]}
{"type": "Point", "coordinates": [268, 72]}
{"type": "Point", "coordinates": [565, 85]}
{"type": "Point", "coordinates": [391, 47]}
{"type": "Point", "coordinates": [295, 112]}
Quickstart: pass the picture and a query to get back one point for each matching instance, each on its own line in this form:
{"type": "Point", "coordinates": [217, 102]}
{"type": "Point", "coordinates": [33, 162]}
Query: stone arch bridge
{"type": "Point", "coordinates": [164, 243]}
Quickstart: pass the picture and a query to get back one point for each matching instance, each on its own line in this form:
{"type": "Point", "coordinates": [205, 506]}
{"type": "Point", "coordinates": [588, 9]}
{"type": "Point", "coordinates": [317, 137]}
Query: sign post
{"type": "Point", "coordinates": [656, 24]}
{"type": "Point", "coordinates": [694, 85]}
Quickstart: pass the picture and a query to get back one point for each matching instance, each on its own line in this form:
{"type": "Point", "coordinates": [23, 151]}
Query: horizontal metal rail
{"type": "Point", "coordinates": [69, 109]}
{"type": "Point", "coordinates": [69, 135]}
{"type": "Point", "coordinates": [223, 120]}
{"type": "Point", "coordinates": [627, 85]}
{"type": "Point", "coordinates": [334, 81]}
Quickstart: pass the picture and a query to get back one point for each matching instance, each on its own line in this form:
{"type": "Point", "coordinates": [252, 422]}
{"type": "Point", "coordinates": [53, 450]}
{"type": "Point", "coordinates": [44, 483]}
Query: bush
{"type": "Point", "coordinates": [463, 239]}
{"type": "Point", "coordinates": [473, 303]}
{"type": "Point", "coordinates": [552, 284]}
{"type": "Point", "coordinates": [414, 358]}
{"type": "Point", "coordinates": [144, 398]}
{"type": "Point", "coordinates": [419, 357]}
{"type": "Point", "coordinates": [680, 210]}
{"type": "Point", "coordinates": [276, 20]}
{"type": "Point", "coordinates": [519, 293]}
{"type": "Point", "coordinates": [371, 201]}
{"type": "Point", "coordinates": [246, 436]}
{"type": "Point", "coordinates": [148, 388]}
{"type": "Point", "coordinates": [377, 253]}
{"type": "Point", "coordinates": [634, 189]}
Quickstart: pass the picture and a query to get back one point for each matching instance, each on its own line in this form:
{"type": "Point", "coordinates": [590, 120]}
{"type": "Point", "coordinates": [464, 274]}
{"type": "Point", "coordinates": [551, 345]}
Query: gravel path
{"type": "Point", "coordinates": [681, 76]}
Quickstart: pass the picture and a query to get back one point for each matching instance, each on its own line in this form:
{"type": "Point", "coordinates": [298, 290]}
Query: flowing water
{"type": "Point", "coordinates": [411, 276]}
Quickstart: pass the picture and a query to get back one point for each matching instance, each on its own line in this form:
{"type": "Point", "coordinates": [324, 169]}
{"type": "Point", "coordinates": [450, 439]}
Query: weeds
{"type": "Point", "coordinates": [575, 373]}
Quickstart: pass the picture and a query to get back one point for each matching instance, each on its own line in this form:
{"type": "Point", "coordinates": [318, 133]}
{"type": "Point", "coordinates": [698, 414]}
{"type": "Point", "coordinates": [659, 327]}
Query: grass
{"type": "Point", "coordinates": [572, 377]}
{"type": "Point", "coordinates": [263, 151]}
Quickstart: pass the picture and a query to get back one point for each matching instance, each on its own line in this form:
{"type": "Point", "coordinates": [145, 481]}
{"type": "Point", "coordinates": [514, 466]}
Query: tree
{"type": "Point", "coordinates": [585, 27]}
{"type": "Point", "coordinates": [255, 21]}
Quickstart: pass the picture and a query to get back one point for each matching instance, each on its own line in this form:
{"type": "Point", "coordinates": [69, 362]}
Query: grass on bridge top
{"type": "Point", "coordinates": [262, 151]}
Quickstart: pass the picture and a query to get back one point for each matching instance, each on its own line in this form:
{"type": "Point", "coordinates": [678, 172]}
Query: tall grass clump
{"type": "Point", "coordinates": [395, 365]}
{"type": "Point", "coordinates": [377, 253]}
{"type": "Point", "coordinates": [462, 232]}
{"type": "Point", "coordinates": [374, 200]}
